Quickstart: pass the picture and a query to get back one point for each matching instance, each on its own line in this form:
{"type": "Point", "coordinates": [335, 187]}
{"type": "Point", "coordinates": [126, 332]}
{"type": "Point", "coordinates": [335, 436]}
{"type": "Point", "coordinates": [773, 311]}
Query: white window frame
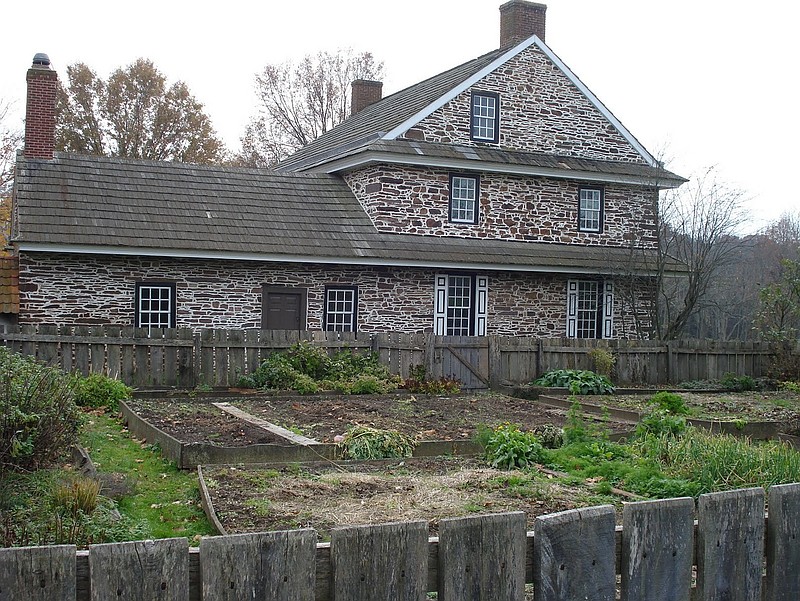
{"type": "Point", "coordinates": [464, 194]}
{"type": "Point", "coordinates": [484, 117]}
{"type": "Point", "coordinates": [446, 307]}
{"type": "Point", "coordinates": [156, 306]}
{"type": "Point", "coordinates": [341, 308]}
{"type": "Point", "coordinates": [600, 315]}
{"type": "Point", "coordinates": [590, 209]}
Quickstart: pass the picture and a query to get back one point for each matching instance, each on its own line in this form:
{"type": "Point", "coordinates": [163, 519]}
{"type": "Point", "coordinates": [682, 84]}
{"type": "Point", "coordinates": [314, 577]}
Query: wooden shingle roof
{"type": "Point", "coordinates": [85, 204]}
{"type": "Point", "coordinates": [9, 285]}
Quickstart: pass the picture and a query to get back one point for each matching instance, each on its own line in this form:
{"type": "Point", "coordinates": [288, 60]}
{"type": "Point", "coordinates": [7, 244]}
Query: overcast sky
{"type": "Point", "coordinates": [700, 82]}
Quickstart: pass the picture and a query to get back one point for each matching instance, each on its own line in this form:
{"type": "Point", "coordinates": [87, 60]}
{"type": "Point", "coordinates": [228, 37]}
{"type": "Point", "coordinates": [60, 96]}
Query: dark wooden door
{"type": "Point", "coordinates": [284, 309]}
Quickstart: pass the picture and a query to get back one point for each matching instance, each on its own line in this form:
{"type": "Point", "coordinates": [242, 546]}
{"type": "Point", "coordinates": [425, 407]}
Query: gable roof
{"type": "Point", "coordinates": [392, 116]}
{"type": "Point", "coordinates": [97, 205]}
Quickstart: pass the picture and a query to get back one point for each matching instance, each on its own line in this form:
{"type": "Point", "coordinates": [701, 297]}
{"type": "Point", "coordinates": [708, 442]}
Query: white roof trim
{"type": "Point", "coordinates": [271, 258]}
{"type": "Point", "coordinates": [596, 102]}
{"type": "Point", "coordinates": [533, 40]}
{"type": "Point", "coordinates": [464, 85]}
{"type": "Point", "coordinates": [377, 156]}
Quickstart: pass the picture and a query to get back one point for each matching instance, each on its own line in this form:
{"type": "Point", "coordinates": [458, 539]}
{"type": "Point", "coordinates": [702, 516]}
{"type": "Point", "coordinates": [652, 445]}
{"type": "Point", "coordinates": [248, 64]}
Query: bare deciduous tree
{"type": "Point", "coordinates": [134, 114]}
{"type": "Point", "coordinates": [699, 225]}
{"type": "Point", "coordinates": [299, 102]}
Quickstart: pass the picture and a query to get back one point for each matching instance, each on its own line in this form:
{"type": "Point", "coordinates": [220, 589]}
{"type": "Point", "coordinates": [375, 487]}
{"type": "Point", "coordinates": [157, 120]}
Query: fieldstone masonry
{"type": "Point", "coordinates": [94, 289]}
{"type": "Point", "coordinates": [541, 110]}
{"type": "Point", "coordinates": [415, 200]}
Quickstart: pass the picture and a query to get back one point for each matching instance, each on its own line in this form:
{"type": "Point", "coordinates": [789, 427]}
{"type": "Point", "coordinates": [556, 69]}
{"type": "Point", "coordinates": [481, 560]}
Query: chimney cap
{"type": "Point", "coordinates": [41, 60]}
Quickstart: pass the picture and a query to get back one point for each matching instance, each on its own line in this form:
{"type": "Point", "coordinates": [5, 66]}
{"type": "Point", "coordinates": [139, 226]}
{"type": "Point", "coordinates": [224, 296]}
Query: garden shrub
{"type": "Point", "coordinates": [660, 421]}
{"type": "Point", "coordinates": [363, 442]}
{"type": "Point", "coordinates": [507, 447]}
{"type": "Point", "coordinates": [39, 419]}
{"type": "Point", "coordinates": [670, 402]}
{"type": "Point", "coordinates": [603, 361]}
{"type": "Point", "coordinates": [738, 383]}
{"type": "Point", "coordinates": [307, 369]}
{"type": "Point", "coordinates": [577, 381]}
{"type": "Point", "coordinates": [97, 390]}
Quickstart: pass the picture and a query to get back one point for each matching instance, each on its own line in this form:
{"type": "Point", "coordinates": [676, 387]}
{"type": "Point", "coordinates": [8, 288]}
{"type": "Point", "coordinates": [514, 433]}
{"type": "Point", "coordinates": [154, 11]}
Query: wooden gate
{"type": "Point", "coordinates": [465, 358]}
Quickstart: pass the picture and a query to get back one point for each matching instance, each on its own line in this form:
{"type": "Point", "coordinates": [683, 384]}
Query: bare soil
{"type": "Point", "coordinates": [322, 417]}
{"type": "Point", "coordinates": [323, 496]}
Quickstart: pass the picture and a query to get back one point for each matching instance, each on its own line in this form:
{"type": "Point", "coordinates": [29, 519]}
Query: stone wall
{"type": "Point", "coordinates": [541, 110]}
{"type": "Point", "coordinates": [415, 200]}
{"type": "Point", "coordinates": [97, 290]}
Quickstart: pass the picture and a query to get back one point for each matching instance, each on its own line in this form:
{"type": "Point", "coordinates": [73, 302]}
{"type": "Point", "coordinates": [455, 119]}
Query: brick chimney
{"type": "Point", "coordinates": [365, 92]}
{"type": "Point", "coordinates": [40, 109]}
{"type": "Point", "coordinates": [519, 20]}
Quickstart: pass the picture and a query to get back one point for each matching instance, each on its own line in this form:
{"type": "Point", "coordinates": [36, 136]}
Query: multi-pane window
{"type": "Point", "coordinates": [485, 117]}
{"type": "Point", "coordinates": [590, 209]}
{"type": "Point", "coordinates": [155, 305]}
{"type": "Point", "coordinates": [459, 305]}
{"type": "Point", "coordinates": [463, 199]}
{"type": "Point", "coordinates": [590, 308]}
{"type": "Point", "coordinates": [341, 304]}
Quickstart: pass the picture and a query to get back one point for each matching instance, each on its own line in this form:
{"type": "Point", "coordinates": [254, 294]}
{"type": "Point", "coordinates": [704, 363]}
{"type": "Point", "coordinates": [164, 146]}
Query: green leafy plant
{"type": "Point", "coordinates": [790, 386]}
{"type": "Point", "coordinates": [661, 421]}
{"type": "Point", "coordinates": [506, 447]}
{"type": "Point", "coordinates": [738, 383]}
{"type": "Point", "coordinates": [98, 390]}
{"type": "Point", "coordinates": [603, 361]}
{"type": "Point", "coordinates": [307, 369]}
{"type": "Point", "coordinates": [363, 442]}
{"type": "Point", "coordinates": [577, 381]}
{"type": "Point", "coordinates": [670, 402]}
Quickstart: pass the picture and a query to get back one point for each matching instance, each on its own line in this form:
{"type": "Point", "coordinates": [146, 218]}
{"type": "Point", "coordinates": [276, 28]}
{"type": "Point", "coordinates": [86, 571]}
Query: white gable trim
{"type": "Point", "coordinates": [596, 102]}
{"type": "Point", "coordinates": [464, 85]}
{"type": "Point", "coordinates": [533, 40]}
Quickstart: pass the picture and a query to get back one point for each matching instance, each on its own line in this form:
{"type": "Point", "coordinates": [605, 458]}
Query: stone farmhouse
{"type": "Point", "coordinates": [499, 197]}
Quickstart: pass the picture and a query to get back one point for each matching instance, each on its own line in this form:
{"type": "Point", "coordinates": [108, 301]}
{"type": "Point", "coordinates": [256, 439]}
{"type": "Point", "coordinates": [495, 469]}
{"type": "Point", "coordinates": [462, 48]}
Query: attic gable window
{"type": "Point", "coordinates": [590, 209]}
{"type": "Point", "coordinates": [485, 121]}
{"type": "Point", "coordinates": [464, 198]}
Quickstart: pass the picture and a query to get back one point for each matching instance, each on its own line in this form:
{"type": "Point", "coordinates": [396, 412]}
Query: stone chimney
{"type": "Point", "coordinates": [365, 92]}
{"type": "Point", "coordinates": [519, 20]}
{"type": "Point", "coordinates": [40, 109]}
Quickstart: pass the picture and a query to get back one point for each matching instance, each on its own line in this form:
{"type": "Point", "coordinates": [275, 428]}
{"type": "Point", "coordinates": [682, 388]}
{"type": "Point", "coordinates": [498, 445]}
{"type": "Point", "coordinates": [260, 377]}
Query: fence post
{"type": "Point", "coordinates": [783, 553]}
{"type": "Point", "coordinates": [38, 573]}
{"type": "Point", "coordinates": [495, 361]}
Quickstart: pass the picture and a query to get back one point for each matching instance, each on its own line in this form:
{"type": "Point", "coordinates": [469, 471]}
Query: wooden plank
{"type": "Point", "coordinates": [279, 566]}
{"type": "Point", "coordinates": [82, 351]}
{"type": "Point", "coordinates": [142, 359]}
{"type": "Point", "coordinates": [236, 356]}
{"type": "Point", "coordinates": [388, 562]}
{"type": "Point", "coordinates": [468, 363]}
{"type": "Point", "coordinates": [170, 375]}
{"type": "Point", "coordinates": [127, 361]}
{"type": "Point", "coordinates": [730, 545]}
{"type": "Point", "coordinates": [251, 338]}
{"type": "Point", "coordinates": [206, 374]}
{"type": "Point", "coordinates": [113, 352]}
{"type": "Point", "coordinates": [482, 557]}
{"type": "Point", "coordinates": [185, 375]}
{"type": "Point", "coordinates": [38, 573]}
{"type": "Point", "coordinates": [657, 544]}
{"type": "Point", "coordinates": [264, 424]}
{"type": "Point", "coordinates": [134, 571]}
{"type": "Point", "coordinates": [47, 352]}
{"type": "Point", "coordinates": [156, 357]}
{"type": "Point", "coordinates": [220, 357]}
{"type": "Point", "coordinates": [97, 350]}
{"type": "Point", "coordinates": [573, 556]}
{"type": "Point", "coordinates": [783, 551]}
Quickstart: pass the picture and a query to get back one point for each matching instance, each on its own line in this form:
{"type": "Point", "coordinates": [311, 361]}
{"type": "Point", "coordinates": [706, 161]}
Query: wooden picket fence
{"type": "Point", "coordinates": [185, 358]}
{"type": "Point", "coordinates": [660, 553]}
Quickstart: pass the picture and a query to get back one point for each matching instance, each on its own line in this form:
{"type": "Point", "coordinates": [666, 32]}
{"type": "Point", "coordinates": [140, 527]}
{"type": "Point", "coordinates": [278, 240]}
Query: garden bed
{"type": "Point", "coordinates": [439, 424]}
{"type": "Point", "coordinates": [252, 498]}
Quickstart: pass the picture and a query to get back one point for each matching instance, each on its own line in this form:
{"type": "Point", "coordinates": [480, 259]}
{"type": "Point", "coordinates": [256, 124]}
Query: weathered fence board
{"type": "Point", "coordinates": [186, 358]}
{"type": "Point", "coordinates": [141, 570]}
{"type": "Point", "coordinates": [730, 545]}
{"type": "Point", "coordinates": [38, 573]}
{"type": "Point", "coordinates": [380, 563]}
{"type": "Point", "coordinates": [657, 543]}
{"type": "Point", "coordinates": [573, 555]}
{"type": "Point", "coordinates": [280, 566]}
{"type": "Point", "coordinates": [783, 543]}
{"type": "Point", "coordinates": [482, 557]}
